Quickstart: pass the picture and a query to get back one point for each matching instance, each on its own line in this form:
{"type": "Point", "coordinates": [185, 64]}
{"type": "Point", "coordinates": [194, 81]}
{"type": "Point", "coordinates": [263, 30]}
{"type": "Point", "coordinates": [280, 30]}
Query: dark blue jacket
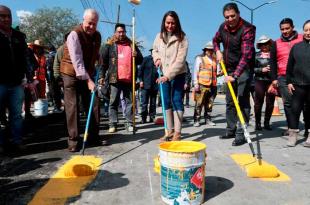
{"type": "Point", "coordinates": [147, 73]}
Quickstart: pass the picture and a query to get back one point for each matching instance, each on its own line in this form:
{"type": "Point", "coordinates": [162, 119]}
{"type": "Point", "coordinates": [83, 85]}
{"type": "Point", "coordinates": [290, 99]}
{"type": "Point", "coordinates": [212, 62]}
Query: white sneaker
{"type": "Point", "coordinates": [112, 130]}
{"type": "Point", "coordinates": [196, 124]}
{"type": "Point", "coordinates": [209, 122]}
{"type": "Point", "coordinates": [129, 128]}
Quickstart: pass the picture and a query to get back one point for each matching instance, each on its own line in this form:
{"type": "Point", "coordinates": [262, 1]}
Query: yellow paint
{"type": "Point", "coordinates": [182, 146]}
{"type": "Point", "coordinates": [63, 185]}
{"type": "Point", "coordinates": [156, 165]}
{"type": "Point", "coordinates": [247, 162]}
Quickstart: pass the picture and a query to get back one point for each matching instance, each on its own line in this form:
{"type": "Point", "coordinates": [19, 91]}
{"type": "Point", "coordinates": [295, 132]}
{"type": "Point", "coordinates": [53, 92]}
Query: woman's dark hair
{"type": "Point", "coordinates": [308, 21]}
{"type": "Point", "coordinates": [178, 29]}
{"type": "Point", "coordinates": [287, 21]}
{"type": "Point", "coordinates": [231, 6]}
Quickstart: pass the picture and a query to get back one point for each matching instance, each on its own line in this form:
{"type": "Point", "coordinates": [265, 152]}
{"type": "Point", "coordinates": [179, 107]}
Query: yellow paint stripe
{"type": "Point", "coordinates": [247, 160]}
{"type": "Point", "coordinates": [61, 187]}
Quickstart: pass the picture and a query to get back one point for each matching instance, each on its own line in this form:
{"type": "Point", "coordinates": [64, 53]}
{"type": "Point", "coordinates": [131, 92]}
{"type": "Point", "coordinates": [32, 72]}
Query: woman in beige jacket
{"type": "Point", "coordinates": [169, 53]}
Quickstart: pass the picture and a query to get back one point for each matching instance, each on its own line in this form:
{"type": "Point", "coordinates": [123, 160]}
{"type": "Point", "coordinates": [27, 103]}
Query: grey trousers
{"type": "Point", "coordinates": [116, 89]}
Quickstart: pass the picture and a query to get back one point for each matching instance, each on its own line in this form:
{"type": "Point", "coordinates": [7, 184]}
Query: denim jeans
{"type": "Point", "coordinates": [173, 92]}
{"type": "Point", "coordinates": [286, 98]}
{"type": "Point", "coordinates": [12, 97]}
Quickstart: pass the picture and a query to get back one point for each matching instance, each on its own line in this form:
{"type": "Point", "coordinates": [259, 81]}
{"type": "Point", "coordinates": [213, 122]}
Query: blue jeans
{"type": "Point", "coordinates": [173, 92]}
{"type": "Point", "coordinates": [12, 97]}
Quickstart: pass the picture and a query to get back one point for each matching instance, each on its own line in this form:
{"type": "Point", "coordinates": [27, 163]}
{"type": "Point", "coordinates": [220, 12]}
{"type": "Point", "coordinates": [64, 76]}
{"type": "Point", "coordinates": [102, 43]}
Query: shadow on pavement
{"type": "Point", "coordinates": [214, 186]}
{"type": "Point", "coordinates": [105, 180]}
{"type": "Point", "coordinates": [18, 192]}
{"type": "Point", "coordinates": [16, 167]}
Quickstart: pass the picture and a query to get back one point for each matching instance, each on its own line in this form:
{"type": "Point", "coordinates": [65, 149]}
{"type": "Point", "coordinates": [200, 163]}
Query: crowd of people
{"type": "Point", "coordinates": [82, 65]}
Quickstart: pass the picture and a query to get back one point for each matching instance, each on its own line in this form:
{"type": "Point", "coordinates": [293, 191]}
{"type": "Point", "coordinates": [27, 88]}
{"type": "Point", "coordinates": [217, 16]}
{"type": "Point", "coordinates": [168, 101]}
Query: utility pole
{"type": "Point", "coordinates": [253, 9]}
{"type": "Point", "coordinates": [118, 17]}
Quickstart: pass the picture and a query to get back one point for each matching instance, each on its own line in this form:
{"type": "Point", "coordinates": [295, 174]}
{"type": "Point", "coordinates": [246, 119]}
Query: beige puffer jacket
{"type": "Point", "coordinates": [172, 55]}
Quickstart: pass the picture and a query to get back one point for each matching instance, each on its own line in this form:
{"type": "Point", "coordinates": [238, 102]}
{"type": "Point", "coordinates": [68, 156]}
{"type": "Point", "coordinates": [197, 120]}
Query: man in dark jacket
{"type": "Point", "coordinates": [117, 60]}
{"type": "Point", "coordinates": [13, 52]}
{"type": "Point", "coordinates": [237, 36]}
{"type": "Point", "coordinates": [147, 76]}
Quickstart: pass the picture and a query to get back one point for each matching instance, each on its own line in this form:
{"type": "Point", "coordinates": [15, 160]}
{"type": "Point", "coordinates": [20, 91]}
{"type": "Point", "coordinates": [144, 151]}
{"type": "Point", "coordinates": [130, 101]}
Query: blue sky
{"type": "Point", "coordinates": [200, 19]}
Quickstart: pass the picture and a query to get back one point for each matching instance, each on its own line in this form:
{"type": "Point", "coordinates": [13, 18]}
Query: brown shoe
{"type": "Point", "coordinates": [167, 136]}
{"type": "Point", "coordinates": [292, 138]}
{"type": "Point", "coordinates": [176, 137]}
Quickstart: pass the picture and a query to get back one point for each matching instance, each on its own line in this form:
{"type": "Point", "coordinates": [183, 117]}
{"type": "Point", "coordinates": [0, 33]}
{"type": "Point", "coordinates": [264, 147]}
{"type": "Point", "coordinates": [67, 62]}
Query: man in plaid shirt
{"type": "Point", "coordinates": [237, 37]}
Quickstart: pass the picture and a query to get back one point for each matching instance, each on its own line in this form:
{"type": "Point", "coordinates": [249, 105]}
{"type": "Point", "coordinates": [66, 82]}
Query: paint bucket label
{"type": "Point", "coordinates": [182, 186]}
{"type": "Point", "coordinates": [182, 169]}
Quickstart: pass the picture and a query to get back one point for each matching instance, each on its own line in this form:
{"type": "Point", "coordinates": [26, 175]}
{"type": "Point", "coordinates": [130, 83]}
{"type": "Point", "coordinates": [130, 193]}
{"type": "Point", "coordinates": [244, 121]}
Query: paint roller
{"type": "Point", "coordinates": [258, 169]}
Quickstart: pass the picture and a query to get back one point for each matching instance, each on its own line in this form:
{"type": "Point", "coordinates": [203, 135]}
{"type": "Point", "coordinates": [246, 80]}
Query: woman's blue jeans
{"type": "Point", "coordinates": [173, 92]}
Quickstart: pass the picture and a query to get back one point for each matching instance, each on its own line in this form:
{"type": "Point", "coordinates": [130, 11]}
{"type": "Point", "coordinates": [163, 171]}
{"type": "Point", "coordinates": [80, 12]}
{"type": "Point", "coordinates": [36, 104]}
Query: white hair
{"type": "Point", "coordinates": [90, 12]}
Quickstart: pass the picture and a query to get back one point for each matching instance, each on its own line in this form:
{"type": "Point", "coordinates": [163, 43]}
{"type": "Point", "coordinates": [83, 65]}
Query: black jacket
{"type": "Point", "coordinates": [13, 58]}
{"type": "Point", "coordinates": [260, 63]}
{"type": "Point", "coordinates": [147, 73]}
{"type": "Point", "coordinates": [298, 66]}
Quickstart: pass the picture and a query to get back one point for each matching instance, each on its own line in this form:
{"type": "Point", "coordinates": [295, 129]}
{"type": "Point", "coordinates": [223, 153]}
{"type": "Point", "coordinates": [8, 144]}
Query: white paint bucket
{"type": "Point", "coordinates": [41, 107]}
{"type": "Point", "coordinates": [182, 172]}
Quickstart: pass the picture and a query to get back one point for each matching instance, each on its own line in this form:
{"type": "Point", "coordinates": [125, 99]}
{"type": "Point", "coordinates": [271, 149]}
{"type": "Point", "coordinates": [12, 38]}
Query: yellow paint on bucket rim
{"type": "Point", "coordinates": [246, 161]}
{"type": "Point", "coordinates": [182, 146]}
{"type": "Point", "coordinates": [61, 186]}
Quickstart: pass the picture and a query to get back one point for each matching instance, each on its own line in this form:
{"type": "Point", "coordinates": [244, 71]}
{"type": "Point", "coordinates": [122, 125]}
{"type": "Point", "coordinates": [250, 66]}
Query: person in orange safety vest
{"type": "Point", "coordinates": [204, 78]}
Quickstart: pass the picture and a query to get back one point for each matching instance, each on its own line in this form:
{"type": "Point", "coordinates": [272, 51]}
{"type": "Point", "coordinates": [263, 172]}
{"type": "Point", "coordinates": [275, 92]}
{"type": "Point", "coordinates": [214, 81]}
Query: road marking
{"type": "Point", "coordinates": [61, 187]}
{"type": "Point", "coordinates": [244, 160]}
{"type": "Point", "coordinates": [150, 178]}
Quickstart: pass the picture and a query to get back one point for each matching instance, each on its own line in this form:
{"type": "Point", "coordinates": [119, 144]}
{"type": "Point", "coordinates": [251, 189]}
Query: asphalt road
{"type": "Point", "coordinates": [127, 177]}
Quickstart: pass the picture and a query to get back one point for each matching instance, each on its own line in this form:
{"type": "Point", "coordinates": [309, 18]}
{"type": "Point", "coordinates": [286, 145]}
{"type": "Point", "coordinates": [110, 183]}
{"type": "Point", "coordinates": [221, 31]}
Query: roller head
{"type": "Point", "coordinates": [136, 2]}
{"type": "Point", "coordinates": [262, 170]}
{"type": "Point", "coordinates": [79, 170]}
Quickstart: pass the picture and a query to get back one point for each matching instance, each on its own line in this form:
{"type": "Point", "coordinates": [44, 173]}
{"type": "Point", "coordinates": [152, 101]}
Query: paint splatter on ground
{"type": "Point", "coordinates": [62, 185]}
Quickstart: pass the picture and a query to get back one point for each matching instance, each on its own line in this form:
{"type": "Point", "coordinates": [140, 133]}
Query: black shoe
{"type": "Point", "coordinates": [267, 126]}
{"type": "Point", "coordinates": [18, 148]}
{"type": "Point", "coordinates": [152, 119]}
{"type": "Point", "coordinates": [306, 133]}
{"type": "Point", "coordinates": [238, 142]}
{"type": "Point", "coordinates": [143, 121]}
{"type": "Point", "coordinates": [1, 150]}
{"type": "Point", "coordinates": [258, 126]}
{"type": "Point", "coordinates": [227, 137]}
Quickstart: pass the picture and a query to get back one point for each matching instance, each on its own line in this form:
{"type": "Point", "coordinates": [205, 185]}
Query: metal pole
{"type": "Point", "coordinates": [133, 75]}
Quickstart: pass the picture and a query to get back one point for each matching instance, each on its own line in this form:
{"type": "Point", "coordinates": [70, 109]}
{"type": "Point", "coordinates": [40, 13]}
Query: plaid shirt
{"type": "Point", "coordinates": [247, 45]}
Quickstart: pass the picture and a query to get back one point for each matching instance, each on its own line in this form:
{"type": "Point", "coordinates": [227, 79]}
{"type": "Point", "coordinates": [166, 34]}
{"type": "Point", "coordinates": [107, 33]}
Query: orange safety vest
{"type": "Point", "coordinates": [207, 72]}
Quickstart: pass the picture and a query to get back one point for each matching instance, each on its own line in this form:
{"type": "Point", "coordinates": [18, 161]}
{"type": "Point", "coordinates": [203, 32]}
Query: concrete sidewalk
{"type": "Point", "coordinates": [127, 177]}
